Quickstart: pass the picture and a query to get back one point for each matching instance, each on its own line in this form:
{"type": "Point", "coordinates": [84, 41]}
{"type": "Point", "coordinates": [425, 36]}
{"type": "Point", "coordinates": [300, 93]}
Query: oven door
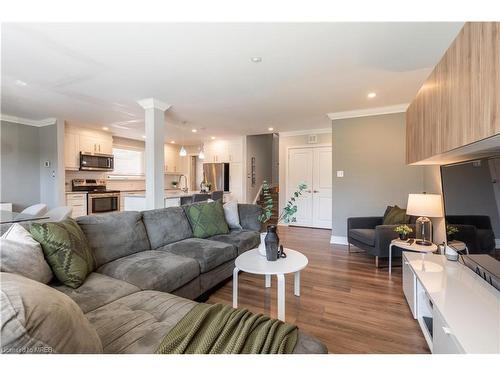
{"type": "Point", "coordinates": [100, 203]}
{"type": "Point", "coordinates": [96, 162]}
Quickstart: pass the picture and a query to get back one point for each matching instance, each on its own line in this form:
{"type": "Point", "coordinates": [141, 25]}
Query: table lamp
{"type": "Point", "coordinates": [424, 206]}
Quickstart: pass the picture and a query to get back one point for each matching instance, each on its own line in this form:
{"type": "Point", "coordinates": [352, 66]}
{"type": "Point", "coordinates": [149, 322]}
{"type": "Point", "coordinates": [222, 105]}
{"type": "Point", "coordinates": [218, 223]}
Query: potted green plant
{"type": "Point", "coordinates": [451, 230]}
{"type": "Point", "coordinates": [403, 231]}
{"type": "Point", "coordinates": [269, 241]}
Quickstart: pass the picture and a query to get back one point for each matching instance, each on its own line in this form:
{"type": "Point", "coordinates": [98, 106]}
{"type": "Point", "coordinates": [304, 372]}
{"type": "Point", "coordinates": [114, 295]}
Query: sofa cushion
{"type": "Point", "coordinates": [137, 323]}
{"type": "Point", "coordinates": [66, 249]}
{"type": "Point", "coordinates": [366, 236]}
{"type": "Point", "coordinates": [153, 269]}
{"type": "Point", "coordinates": [243, 239]}
{"type": "Point", "coordinates": [232, 215]}
{"type": "Point", "coordinates": [20, 253]}
{"type": "Point", "coordinates": [36, 318]}
{"type": "Point", "coordinates": [249, 214]}
{"type": "Point", "coordinates": [97, 290]}
{"type": "Point", "coordinates": [395, 216]}
{"type": "Point", "coordinates": [114, 235]}
{"type": "Point", "coordinates": [166, 225]}
{"type": "Point", "coordinates": [206, 219]}
{"type": "Point", "coordinates": [208, 254]}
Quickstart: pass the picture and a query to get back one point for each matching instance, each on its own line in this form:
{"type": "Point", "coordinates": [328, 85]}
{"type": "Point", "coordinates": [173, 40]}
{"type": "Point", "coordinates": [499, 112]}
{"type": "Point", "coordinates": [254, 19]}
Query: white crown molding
{"type": "Point", "coordinates": [294, 133]}
{"type": "Point", "coordinates": [149, 103]}
{"type": "Point", "coordinates": [398, 108]}
{"type": "Point", "coordinates": [27, 121]}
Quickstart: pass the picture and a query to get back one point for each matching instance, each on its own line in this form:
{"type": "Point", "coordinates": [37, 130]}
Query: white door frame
{"type": "Point", "coordinates": [305, 145]}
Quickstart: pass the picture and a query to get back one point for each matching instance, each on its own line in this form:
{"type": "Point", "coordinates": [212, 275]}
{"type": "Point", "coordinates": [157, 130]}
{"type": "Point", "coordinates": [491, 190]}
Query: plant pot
{"type": "Point", "coordinates": [272, 242]}
{"type": "Point", "coordinates": [403, 237]}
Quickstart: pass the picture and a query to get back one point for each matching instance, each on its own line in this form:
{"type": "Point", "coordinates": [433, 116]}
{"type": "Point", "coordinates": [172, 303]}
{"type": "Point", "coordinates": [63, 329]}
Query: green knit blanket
{"type": "Point", "coordinates": [220, 329]}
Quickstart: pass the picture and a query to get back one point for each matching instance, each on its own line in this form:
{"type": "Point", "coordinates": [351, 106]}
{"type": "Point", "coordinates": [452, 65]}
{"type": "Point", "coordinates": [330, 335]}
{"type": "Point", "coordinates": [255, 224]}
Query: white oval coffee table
{"type": "Point", "coordinates": [252, 262]}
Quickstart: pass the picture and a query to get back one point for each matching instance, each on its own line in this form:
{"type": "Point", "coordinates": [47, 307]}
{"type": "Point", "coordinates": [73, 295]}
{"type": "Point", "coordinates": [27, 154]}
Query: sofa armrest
{"type": "Point", "coordinates": [384, 234]}
{"type": "Point", "coordinates": [369, 222]}
{"type": "Point", "coordinates": [249, 214]}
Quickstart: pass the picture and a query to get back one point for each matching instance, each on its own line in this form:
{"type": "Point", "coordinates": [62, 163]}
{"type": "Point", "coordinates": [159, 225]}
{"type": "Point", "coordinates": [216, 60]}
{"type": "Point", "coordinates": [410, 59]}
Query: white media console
{"type": "Point", "coordinates": [457, 310]}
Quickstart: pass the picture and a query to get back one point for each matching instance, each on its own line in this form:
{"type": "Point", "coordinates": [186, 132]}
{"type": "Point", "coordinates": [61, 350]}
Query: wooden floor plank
{"type": "Point", "coordinates": [345, 301]}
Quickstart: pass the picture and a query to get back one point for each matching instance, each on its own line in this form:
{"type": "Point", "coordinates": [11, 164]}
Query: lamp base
{"type": "Point", "coordinates": [423, 242]}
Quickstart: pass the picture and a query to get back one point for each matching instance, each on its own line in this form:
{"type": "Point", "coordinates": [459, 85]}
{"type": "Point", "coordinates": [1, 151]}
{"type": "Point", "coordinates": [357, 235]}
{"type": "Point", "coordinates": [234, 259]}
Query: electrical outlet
{"type": "Point", "coordinates": [47, 163]}
{"type": "Point", "coordinates": [340, 173]}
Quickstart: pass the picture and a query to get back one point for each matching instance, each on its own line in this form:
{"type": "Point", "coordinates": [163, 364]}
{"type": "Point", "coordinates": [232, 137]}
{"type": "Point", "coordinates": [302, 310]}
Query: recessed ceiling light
{"type": "Point", "coordinates": [21, 83]}
{"type": "Point", "coordinates": [105, 128]}
{"type": "Point", "coordinates": [371, 95]}
{"type": "Point", "coordinates": [172, 142]}
{"type": "Point", "coordinates": [270, 129]}
{"type": "Point", "coordinates": [143, 136]}
{"type": "Point", "coordinates": [256, 59]}
{"type": "Point", "coordinates": [194, 130]}
{"type": "Point", "coordinates": [212, 137]}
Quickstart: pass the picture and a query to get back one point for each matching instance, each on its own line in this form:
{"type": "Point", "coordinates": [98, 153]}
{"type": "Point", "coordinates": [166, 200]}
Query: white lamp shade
{"type": "Point", "coordinates": [429, 205]}
{"type": "Point", "coordinates": [183, 151]}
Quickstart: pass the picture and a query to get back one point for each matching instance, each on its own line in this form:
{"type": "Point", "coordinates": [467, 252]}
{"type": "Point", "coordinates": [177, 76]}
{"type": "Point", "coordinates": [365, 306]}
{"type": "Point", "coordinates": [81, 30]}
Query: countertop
{"type": "Point", "coordinates": [168, 194]}
{"type": "Point", "coordinates": [470, 306]}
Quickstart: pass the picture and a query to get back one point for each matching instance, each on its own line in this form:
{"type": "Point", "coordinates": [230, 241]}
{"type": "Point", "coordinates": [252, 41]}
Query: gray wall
{"type": "Point", "coordinates": [260, 147]}
{"type": "Point", "coordinates": [371, 152]}
{"type": "Point", "coordinates": [48, 153]}
{"type": "Point", "coordinates": [20, 164]}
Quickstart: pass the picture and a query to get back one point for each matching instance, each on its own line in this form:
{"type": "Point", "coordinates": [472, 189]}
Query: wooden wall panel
{"type": "Point", "coordinates": [460, 102]}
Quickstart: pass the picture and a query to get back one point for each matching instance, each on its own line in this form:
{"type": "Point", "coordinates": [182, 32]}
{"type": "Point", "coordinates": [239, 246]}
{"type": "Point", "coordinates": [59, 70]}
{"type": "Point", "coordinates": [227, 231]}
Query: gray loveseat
{"type": "Point", "coordinates": [149, 269]}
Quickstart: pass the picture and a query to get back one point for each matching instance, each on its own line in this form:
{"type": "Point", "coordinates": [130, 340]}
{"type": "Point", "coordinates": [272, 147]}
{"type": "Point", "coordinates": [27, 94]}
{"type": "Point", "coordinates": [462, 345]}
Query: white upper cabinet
{"type": "Point", "coordinates": [173, 162]}
{"type": "Point", "coordinates": [224, 151]}
{"type": "Point", "coordinates": [83, 140]}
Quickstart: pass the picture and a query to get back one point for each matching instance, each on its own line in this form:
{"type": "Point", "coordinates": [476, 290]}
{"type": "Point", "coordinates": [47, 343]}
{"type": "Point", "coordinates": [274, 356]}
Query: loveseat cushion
{"type": "Point", "coordinates": [97, 290]}
{"type": "Point", "coordinates": [244, 240]}
{"type": "Point", "coordinates": [137, 323]}
{"type": "Point", "coordinates": [166, 225]}
{"type": "Point", "coordinates": [153, 269]}
{"type": "Point", "coordinates": [36, 318]}
{"type": "Point", "coordinates": [366, 236]}
{"type": "Point", "coordinates": [208, 254]}
{"type": "Point", "coordinates": [114, 235]}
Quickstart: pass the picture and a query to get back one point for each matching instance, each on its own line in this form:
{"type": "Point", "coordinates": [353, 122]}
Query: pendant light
{"type": "Point", "coordinates": [182, 151]}
{"type": "Point", "coordinates": [201, 155]}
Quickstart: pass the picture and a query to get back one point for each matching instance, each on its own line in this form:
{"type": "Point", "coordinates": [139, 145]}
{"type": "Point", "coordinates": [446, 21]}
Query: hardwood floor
{"type": "Point", "coordinates": [345, 301]}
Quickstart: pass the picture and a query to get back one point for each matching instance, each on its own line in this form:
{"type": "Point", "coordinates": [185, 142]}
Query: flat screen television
{"type": "Point", "coordinates": [471, 193]}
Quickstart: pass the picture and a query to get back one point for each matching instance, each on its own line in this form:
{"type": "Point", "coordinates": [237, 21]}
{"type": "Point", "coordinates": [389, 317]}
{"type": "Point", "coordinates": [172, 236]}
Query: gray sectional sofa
{"type": "Point", "coordinates": [149, 271]}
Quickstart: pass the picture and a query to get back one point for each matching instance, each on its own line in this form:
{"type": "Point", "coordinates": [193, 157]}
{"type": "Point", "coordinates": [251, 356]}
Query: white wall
{"type": "Point", "coordinates": [261, 148]}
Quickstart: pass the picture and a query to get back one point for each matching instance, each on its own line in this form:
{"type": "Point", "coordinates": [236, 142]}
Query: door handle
{"type": "Point", "coordinates": [315, 191]}
{"type": "Point", "coordinates": [309, 191]}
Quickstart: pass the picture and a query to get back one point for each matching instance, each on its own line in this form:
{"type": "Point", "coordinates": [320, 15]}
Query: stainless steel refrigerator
{"type": "Point", "coordinates": [217, 174]}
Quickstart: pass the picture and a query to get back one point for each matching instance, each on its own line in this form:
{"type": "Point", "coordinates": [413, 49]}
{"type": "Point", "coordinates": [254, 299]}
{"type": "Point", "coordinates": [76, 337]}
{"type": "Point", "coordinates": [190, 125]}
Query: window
{"type": "Point", "coordinates": [128, 162]}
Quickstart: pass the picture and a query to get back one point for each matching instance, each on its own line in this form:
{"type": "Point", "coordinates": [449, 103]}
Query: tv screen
{"type": "Point", "coordinates": [471, 193]}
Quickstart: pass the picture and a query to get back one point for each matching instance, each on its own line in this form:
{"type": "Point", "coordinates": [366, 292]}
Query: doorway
{"type": "Point", "coordinates": [312, 166]}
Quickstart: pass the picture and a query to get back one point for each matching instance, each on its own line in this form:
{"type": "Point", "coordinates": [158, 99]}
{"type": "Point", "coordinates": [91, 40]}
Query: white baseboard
{"type": "Point", "coordinates": [339, 240]}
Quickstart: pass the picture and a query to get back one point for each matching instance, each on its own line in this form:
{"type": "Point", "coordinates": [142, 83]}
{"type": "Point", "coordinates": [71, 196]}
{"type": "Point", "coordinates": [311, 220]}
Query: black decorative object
{"type": "Point", "coordinates": [272, 242]}
{"type": "Point", "coordinates": [403, 236]}
{"type": "Point", "coordinates": [281, 253]}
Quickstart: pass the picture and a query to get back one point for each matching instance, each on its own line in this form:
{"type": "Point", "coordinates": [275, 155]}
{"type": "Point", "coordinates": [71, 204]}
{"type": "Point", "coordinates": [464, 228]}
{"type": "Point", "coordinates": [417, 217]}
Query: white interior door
{"type": "Point", "coordinates": [300, 170]}
{"type": "Point", "coordinates": [322, 187]}
{"type": "Point", "coordinates": [313, 166]}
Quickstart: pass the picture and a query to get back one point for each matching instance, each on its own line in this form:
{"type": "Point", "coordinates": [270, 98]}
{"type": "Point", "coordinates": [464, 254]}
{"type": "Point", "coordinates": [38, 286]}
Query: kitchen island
{"type": "Point", "coordinates": [136, 201]}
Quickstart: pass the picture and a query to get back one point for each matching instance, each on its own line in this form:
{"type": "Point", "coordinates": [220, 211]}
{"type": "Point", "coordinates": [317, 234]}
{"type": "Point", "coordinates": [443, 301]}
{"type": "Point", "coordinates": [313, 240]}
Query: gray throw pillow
{"type": "Point", "coordinates": [232, 215]}
{"type": "Point", "coordinates": [20, 253]}
{"type": "Point", "coordinates": [36, 318]}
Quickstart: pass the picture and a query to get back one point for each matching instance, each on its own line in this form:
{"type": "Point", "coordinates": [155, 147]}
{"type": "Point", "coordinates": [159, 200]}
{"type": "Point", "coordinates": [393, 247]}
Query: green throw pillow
{"type": "Point", "coordinates": [207, 219]}
{"type": "Point", "coordinates": [395, 216]}
{"type": "Point", "coordinates": [66, 249]}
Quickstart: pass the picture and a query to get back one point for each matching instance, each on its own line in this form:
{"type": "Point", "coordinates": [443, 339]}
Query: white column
{"type": "Point", "coordinates": [154, 122]}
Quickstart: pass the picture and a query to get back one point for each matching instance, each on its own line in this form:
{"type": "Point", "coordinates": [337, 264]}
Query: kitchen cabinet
{"type": "Point", "coordinates": [224, 151]}
{"type": "Point", "coordinates": [84, 140]}
{"type": "Point", "coordinates": [458, 104]}
{"type": "Point", "coordinates": [173, 162]}
{"type": "Point", "coordinates": [78, 204]}
{"type": "Point", "coordinates": [71, 151]}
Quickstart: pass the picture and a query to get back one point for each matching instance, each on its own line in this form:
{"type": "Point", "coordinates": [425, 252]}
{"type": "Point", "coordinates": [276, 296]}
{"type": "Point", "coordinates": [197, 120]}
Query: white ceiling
{"type": "Point", "coordinates": [92, 74]}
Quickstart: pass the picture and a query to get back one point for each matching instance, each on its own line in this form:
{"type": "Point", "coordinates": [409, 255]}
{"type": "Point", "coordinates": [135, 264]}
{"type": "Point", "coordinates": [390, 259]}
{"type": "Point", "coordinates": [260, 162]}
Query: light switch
{"type": "Point", "coordinates": [47, 163]}
{"type": "Point", "coordinates": [340, 173]}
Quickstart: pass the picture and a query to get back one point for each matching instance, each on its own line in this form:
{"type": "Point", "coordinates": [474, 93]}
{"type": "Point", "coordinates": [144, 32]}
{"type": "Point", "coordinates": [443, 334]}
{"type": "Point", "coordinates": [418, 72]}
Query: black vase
{"type": "Point", "coordinates": [272, 242]}
{"type": "Point", "coordinates": [403, 236]}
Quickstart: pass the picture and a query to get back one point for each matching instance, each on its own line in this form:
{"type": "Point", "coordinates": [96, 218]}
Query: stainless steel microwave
{"type": "Point", "coordinates": [96, 162]}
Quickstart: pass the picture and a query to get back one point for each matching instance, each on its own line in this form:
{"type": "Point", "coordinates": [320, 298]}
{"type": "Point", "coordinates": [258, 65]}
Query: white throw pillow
{"type": "Point", "coordinates": [232, 215]}
{"type": "Point", "coordinates": [20, 253]}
